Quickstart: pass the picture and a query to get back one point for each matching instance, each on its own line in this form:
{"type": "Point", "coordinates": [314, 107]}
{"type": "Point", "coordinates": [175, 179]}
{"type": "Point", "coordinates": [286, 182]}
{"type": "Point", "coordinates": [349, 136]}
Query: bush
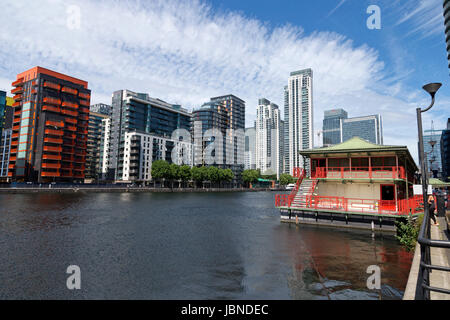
{"type": "Point", "coordinates": [408, 232]}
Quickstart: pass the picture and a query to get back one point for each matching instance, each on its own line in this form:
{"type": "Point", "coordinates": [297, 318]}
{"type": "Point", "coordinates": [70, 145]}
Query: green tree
{"type": "Point", "coordinates": [185, 173]}
{"type": "Point", "coordinates": [173, 172]}
{"type": "Point", "coordinates": [160, 170]}
{"type": "Point", "coordinates": [250, 176]}
{"type": "Point", "coordinates": [198, 174]}
{"type": "Point", "coordinates": [286, 179]}
{"type": "Point", "coordinates": [227, 175]}
{"type": "Point", "coordinates": [213, 175]}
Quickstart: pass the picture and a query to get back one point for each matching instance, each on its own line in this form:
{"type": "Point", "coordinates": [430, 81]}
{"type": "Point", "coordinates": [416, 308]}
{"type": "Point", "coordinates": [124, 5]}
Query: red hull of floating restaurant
{"type": "Point", "coordinates": [356, 177]}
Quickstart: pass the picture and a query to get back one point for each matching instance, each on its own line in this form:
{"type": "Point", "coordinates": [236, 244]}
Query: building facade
{"type": "Point", "coordinates": [102, 108]}
{"type": "Point", "coordinates": [298, 117]}
{"type": "Point", "coordinates": [446, 6]}
{"type": "Point", "coordinates": [219, 134]}
{"type": "Point", "coordinates": [93, 151]}
{"type": "Point", "coordinates": [445, 152]}
{"type": "Point", "coordinates": [138, 112]}
{"type": "Point", "coordinates": [105, 149]}
{"type": "Point", "coordinates": [50, 126]}
{"type": "Point", "coordinates": [268, 136]}
{"type": "Point", "coordinates": [369, 128]}
{"type": "Point", "coordinates": [250, 149]}
{"type": "Point", "coordinates": [332, 126]}
{"type": "Point", "coordinates": [5, 150]}
{"type": "Point", "coordinates": [432, 151]}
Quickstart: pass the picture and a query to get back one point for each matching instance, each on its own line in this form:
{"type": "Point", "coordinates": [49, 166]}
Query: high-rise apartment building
{"type": "Point", "coordinates": [93, 150]}
{"type": "Point", "coordinates": [445, 152]}
{"type": "Point", "coordinates": [298, 117]}
{"type": "Point", "coordinates": [250, 148]}
{"type": "Point", "coordinates": [432, 150]}
{"type": "Point", "coordinates": [50, 126]}
{"type": "Point", "coordinates": [222, 117]}
{"type": "Point", "coordinates": [154, 119]}
{"type": "Point", "coordinates": [268, 136]}
{"type": "Point", "coordinates": [6, 121]}
{"type": "Point", "coordinates": [332, 126]}
{"type": "Point", "coordinates": [446, 6]}
{"type": "Point", "coordinates": [369, 128]}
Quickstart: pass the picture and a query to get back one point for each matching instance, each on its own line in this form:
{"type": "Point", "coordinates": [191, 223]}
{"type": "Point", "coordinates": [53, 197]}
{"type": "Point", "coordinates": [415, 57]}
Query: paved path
{"type": "Point", "coordinates": [440, 257]}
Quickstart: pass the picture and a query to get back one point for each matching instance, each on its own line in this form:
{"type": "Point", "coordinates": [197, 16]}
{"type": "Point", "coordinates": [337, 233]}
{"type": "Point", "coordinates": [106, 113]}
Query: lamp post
{"type": "Point", "coordinates": [431, 88]}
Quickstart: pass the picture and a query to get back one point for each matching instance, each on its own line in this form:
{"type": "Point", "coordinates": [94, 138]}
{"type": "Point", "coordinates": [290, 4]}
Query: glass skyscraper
{"type": "Point", "coordinates": [433, 154]}
{"type": "Point", "coordinates": [332, 126]}
{"type": "Point", "coordinates": [445, 152]}
{"type": "Point", "coordinates": [368, 128]}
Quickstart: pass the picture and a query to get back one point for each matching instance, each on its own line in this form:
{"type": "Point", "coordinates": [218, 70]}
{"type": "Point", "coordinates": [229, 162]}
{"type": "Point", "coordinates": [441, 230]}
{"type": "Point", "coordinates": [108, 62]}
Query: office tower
{"type": "Point", "coordinates": [445, 152]}
{"type": "Point", "coordinates": [50, 126]}
{"type": "Point", "coordinates": [101, 108]}
{"type": "Point", "coordinates": [250, 149]}
{"type": "Point", "coordinates": [286, 168]}
{"type": "Point", "coordinates": [268, 137]}
{"type": "Point", "coordinates": [432, 150]}
{"type": "Point", "coordinates": [138, 112]}
{"type": "Point", "coordinates": [281, 149]}
{"type": "Point", "coordinates": [93, 150]}
{"type": "Point", "coordinates": [224, 116]}
{"type": "Point", "coordinates": [446, 6]}
{"type": "Point", "coordinates": [332, 126]}
{"type": "Point", "coordinates": [369, 128]}
{"type": "Point", "coordinates": [299, 117]}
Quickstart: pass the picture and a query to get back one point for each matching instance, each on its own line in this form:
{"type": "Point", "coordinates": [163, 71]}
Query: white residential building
{"type": "Point", "coordinates": [250, 148]}
{"type": "Point", "coordinates": [268, 138]}
{"type": "Point", "coordinates": [141, 149]}
{"type": "Point", "coordinates": [298, 118]}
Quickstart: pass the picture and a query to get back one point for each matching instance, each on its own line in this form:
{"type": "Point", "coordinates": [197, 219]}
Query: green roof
{"type": "Point", "coordinates": [355, 145]}
{"type": "Point", "coordinates": [438, 183]}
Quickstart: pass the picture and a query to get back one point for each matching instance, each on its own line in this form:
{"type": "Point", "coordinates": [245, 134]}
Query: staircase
{"type": "Point", "coordinates": [303, 194]}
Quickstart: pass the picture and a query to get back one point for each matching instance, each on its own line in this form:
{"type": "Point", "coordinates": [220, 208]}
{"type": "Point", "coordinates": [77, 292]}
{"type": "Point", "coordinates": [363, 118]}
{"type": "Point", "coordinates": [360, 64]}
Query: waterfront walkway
{"type": "Point", "coordinates": [440, 257]}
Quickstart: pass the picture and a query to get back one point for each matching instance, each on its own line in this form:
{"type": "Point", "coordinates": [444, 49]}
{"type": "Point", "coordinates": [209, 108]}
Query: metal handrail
{"type": "Point", "coordinates": [424, 289]}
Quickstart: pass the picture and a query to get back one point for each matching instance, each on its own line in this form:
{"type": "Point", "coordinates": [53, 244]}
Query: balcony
{"type": "Point", "coordinates": [52, 149]}
{"type": "Point", "coordinates": [67, 159]}
{"type": "Point", "coordinates": [68, 151]}
{"type": "Point", "coordinates": [51, 108]}
{"type": "Point", "coordinates": [53, 101]}
{"type": "Point", "coordinates": [16, 104]}
{"type": "Point", "coordinates": [51, 85]}
{"type": "Point", "coordinates": [69, 90]}
{"type": "Point", "coordinates": [51, 157]}
{"type": "Point", "coordinates": [54, 132]}
{"type": "Point", "coordinates": [83, 110]}
{"type": "Point", "coordinates": [50, 174]}
{"type": "Point", "coordinates": [14, 158]}
{"type": "Point", "coordinates": [17, 83]}
{"type": "Point", "coordinates": [83, 117]}
{"type": "Point", "coordinates": [71, 120]}
{"type": "Point", "coordinates": [71, 128]}
{"type": "Point", "coordinates": [14, 142]}
{"type": "Point", "coordinates": [71, 136]}
{"type": "Point", "coordinates": [18, 97]}
{"type": "Point", "coordinates": [17, 90]}
{"type": "Point", "coordinates": [51, 165]}
{"type": "Point", "coordinates": [13, 150]}
{"type": "Point", "coordinates": [15, 135]}
{"type": "Point", "coordinates": [34, 91]}
{"type": "Point", "coordinates": [70, 105]}
{"type": "Point", "coordinates": [382, 173]}
{"type": "Point", "coordinates": [86, 96]}
{"type": "Point", "coordinates": [85, 103]}
{"type": "Point", "coordinates": [69, 113]}
{"type": "Point", "coordinates": [58, 124]}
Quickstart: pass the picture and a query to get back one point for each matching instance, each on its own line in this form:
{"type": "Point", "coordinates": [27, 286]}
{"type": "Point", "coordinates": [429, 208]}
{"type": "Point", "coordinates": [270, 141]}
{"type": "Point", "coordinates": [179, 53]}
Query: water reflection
{"type": "Point", "coordinates": [184, 246]}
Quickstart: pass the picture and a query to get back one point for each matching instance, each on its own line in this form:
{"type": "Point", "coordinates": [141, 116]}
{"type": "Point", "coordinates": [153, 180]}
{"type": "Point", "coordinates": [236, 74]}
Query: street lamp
{"type": "Point", "coordinates": [431, 88]}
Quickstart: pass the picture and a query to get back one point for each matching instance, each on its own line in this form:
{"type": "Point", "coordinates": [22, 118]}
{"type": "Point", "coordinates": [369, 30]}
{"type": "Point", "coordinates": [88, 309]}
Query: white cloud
{"type": "Point", "coordinates": [184, 53]}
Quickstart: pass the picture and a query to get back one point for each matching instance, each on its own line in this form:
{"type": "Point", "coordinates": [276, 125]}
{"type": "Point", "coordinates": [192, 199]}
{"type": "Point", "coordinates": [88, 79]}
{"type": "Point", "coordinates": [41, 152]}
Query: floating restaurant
{"type": "Point", "coordinates": [354, 184]}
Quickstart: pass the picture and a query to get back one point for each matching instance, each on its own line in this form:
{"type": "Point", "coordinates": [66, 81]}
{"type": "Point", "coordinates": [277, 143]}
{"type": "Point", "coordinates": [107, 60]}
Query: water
{"type": "Point", "coordinates": [184, 246]}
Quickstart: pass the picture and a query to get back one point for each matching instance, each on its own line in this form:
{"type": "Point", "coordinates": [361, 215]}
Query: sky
{"type": "Point", "coordinates": [185, 52]}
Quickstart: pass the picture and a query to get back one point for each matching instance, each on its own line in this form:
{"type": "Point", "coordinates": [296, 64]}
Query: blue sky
{"type": "Point", "coordinates": [185, 52]}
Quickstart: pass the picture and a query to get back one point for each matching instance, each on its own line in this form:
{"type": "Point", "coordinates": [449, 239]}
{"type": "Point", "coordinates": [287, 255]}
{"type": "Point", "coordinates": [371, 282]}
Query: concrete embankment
{"type": "Point", "coordinates": [439, 257]}
{"type": "Point", "coordinates": [127, 190]}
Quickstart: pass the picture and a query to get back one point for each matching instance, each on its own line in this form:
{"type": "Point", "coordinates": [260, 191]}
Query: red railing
{"type": "Point", "coordinates": [360, 173]}
{"type": "Point", "coordinates": [286, 200]}
{"type": "Point", "coordinates": [399, 208]}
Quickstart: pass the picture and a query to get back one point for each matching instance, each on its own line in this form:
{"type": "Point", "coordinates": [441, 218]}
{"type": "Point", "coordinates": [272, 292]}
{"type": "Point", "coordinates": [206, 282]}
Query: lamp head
{"type": "Point", "coordinates": [432, 88]}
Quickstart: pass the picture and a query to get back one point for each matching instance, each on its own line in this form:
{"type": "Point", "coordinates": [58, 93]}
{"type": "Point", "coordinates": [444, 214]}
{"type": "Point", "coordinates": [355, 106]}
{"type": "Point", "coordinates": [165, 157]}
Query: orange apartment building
{"type": "Point", "coordinates": [50, 126]}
